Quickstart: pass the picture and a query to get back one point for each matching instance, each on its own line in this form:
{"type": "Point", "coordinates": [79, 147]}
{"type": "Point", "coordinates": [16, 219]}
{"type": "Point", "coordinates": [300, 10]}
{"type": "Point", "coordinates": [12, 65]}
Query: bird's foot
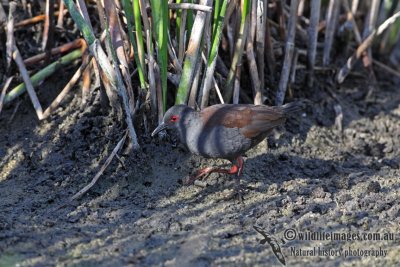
{"type": "Point", "coordinates": [201, 174]}
{"type": "Point", "coordinates": [205, 172]}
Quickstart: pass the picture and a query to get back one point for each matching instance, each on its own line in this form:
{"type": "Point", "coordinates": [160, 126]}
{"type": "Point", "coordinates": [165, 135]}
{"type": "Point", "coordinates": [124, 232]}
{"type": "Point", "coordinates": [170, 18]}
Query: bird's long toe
{"type": "Point", "coordinates": [200, 174]}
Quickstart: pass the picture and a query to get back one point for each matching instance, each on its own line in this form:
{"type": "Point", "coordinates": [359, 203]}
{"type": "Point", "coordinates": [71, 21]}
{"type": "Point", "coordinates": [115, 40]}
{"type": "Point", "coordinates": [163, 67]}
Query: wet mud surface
{"type": "Point", "coordinates": [308, 177]}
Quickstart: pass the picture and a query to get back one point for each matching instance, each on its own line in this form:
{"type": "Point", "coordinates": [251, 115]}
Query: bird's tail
{"type": "Point", "coordinates": [293, 107]}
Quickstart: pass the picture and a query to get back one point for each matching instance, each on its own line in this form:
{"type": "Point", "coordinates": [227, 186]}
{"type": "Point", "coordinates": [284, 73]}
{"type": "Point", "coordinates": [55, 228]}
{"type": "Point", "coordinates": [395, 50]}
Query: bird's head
{"type": "Point", "coordinates": [173, 118]}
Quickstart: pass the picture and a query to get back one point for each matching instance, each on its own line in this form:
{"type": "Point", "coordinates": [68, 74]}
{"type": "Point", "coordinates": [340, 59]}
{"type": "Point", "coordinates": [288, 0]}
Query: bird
{"type": "Point", "coordinates": [224, 131]}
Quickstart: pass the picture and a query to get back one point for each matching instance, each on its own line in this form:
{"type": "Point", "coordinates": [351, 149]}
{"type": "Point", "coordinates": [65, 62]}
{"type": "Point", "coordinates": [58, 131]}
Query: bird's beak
{"type": "Point", "coordinates": [160, 127]}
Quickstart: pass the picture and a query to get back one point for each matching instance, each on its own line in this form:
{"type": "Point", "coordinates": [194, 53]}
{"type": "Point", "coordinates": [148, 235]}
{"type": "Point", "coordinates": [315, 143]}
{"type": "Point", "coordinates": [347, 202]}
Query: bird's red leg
{"type": "Point", "coordinates": [203, 173]}
{"type": "Point", "coordinates": [235, 169]}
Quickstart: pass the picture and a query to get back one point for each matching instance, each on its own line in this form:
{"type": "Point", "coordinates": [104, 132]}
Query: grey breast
{"type": "Point", "coordinates": [216, 141]}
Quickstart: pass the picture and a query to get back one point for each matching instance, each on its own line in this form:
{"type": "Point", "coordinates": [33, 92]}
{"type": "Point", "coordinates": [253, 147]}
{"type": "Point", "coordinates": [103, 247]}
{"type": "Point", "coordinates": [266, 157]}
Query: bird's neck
{"type": "Point", "coordinates": [189, 123]}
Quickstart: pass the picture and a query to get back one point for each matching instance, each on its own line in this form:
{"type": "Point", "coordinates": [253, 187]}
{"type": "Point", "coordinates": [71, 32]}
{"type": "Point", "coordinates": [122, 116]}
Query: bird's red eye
{"type": "Point", "coordinates": [174, 118]}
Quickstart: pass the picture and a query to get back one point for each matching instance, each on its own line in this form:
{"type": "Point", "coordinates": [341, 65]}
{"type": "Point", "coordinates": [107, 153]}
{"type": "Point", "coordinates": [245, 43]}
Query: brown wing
{"type": "Point", "coordinates": [250, 119]}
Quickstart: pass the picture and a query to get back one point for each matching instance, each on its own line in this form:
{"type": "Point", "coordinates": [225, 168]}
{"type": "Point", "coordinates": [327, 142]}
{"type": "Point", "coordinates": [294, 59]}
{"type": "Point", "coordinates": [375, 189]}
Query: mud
{"type": "Point", "coordinates": [309, 176]}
